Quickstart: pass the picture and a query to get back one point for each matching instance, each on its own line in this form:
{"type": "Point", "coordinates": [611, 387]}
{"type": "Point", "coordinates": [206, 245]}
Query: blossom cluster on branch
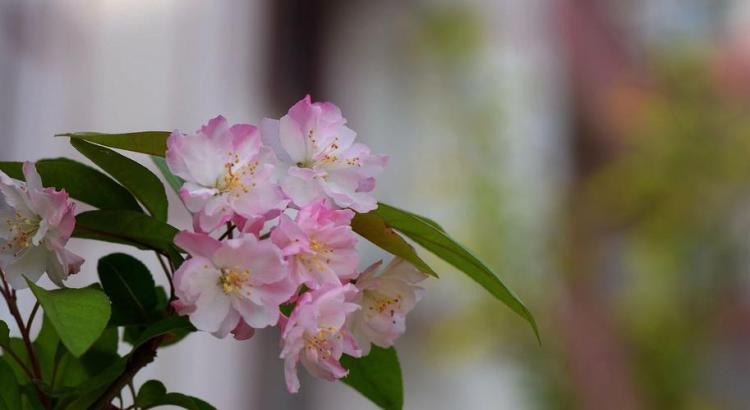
{"type": "Point", "coordinates": [277, 212]}
{"type": "Point", "coordinates": [283, 192]}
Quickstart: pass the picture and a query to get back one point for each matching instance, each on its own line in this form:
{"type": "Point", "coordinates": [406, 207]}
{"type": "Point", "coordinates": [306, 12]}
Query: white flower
{"type": "Point", "coordinates": [35, 225]}
{"type": "Point", "coordinates": [386, 299]}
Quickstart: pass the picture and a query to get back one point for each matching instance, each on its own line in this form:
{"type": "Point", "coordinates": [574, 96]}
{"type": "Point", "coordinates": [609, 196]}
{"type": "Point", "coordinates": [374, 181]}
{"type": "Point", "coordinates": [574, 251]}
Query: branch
{"type": "Point", "coordinates": [229, 233]}
{"type": "Point", "coordinates": [167, 273]}
{"type": "Point", "coordinates": [10, 299]}
{"type": "Point", "coordinates": [140, 358]}
{"type": "Point", "coordinates": [32, 315]}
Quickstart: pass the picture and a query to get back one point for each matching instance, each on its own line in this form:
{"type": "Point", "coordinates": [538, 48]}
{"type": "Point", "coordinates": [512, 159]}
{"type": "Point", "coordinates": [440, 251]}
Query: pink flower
{"type": "Point", "coordinates": [227, 171]}
{"type": "Point", "coordinates": [319, 245]}
{"type": "Point", "coordinates": [316, 336]}
{"type": "Point", "coordinates": [325, 162]}
{"type": "Point", "coordinates": [35, 225]}
{"type": "Point", "coordinates": [386, 299]}
{"type": "Point", "coordinates": [232, 285]}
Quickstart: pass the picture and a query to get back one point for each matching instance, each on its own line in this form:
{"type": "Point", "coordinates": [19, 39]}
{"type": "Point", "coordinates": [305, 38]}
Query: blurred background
{"type": "Point", "coordinates": [596, 153]}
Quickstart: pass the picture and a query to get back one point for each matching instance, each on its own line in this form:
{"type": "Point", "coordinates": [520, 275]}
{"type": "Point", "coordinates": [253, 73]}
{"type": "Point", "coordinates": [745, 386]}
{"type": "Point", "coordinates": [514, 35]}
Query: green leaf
{"type": "Point", "coordinates": [80, 181]}
{"type": "Point", "coordinates": [19, 348]}
{"type": "Point", "coordinates": [426, 234]}
{"type": "Point", "coordinates": [78, 315]}
{"type": "Point", "coordinates": [185, 401]}
{"type": "Point", "coordinates": [10, 393]}
{"type": "Point", "coordinates": [90, 391]}
{"type": "Point", "coordinates": [372, 227]}
{"type": "Point", "coordinates": [146, 142]}
{"type": "Point", "coordinates": [173, 327]}
{"type": "Point", "coordinates": [130, 288]}
{"type": "Point", "coordinates": [135, 177]}
{"type": "Point", "coordinates": [154, 394]}
{"type": "Point", "coordinates": [126, 227]}
{"type": "Point", "coordinates": [4, 334]}
{"type": "Point", "coordinates": [377, 376]}
{"type": "Point", "coordinates": [47, 346]}
{"type": "Point", "coordinates": [173, 180]}
{"type": "Point", "coordinates": [150, 393]}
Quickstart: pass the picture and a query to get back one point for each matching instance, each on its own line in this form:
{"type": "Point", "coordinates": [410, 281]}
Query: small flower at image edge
{"type": "Point", "coordinates": [315, 334]}
{"type": "Point", "coordinates": [231, 286]}
{"type": "Point", "coordinates": [319, 245]}
{"type": "Point", "coordinates": [227, 171]}
{"type": "Point", "coordinates": [35, 225]}
{"type": "Point", "coordinates": [385, 299]}
{"type": "Point", "coordinates": [324, 161]}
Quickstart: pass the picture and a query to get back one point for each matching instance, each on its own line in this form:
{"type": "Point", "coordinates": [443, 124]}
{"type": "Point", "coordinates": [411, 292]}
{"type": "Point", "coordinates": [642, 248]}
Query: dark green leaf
{"type": "Point", "coordinates": [102, 353]}
{"type": "Point", "coordinates": [372, 227]}
{"type": "Point", "coordinates": [29, 399]}
{"type": "Point", "coordinates": [377, 376]}
{"type": "Point", "coordinates": [150, 394]}
{"type": "Point", "coordinates": [126, 227]}
{"type": "Point", "coordinates": [78, 315]}
{"type": "Point", "coordinates": [173, 180]}
{"type": "Point", "coordinates": [130, 288]}
{"type": "Point", "coordinates": [4, 333]}
{"type": "Point", "coordinates": [90, 391]}
{"type": "Point", "coordinates": [10, 394]}
{"type": "Point", "coordinates": [146, 142]}
{"type": "Point", "coordinates": [73, 375]}
{"type": "Point", "coordinates": [80, 181]}
{"type": "Point", "coordinates": [438, 242]}
{"type": "Point", "coordinates": [153, 394]}
{"type": "Point", "coordinates": [17, 346]}
{"type": "Point", "coordinates": [185, 401]}
{"type": "Point", "coordinates": [172, 327]}
{"type": "Point", "coordinates": [135, 177]}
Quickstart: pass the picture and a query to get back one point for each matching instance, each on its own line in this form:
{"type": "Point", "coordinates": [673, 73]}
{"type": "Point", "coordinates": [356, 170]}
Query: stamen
{"type": "Point", "coordinates": [235, 280]}
{"type": "Point", "coordinates": [22, 231]}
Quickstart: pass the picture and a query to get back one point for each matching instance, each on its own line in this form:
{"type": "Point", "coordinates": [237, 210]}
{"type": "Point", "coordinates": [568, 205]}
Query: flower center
{"type": "Point", "coordinates": [22, 230]}
{"type": "Point", "coordinates": [234, 179]}
{"type": "Point", "coordinates": [383, 303]}
{"type": "Point", "coordinates": [322, 340]}
{"type": "Point", "coordinates": [326, 155]}
{"type": "Point", "coordinates": [234, 280]}
{"type": "Point", "coordinates": [318, 258]}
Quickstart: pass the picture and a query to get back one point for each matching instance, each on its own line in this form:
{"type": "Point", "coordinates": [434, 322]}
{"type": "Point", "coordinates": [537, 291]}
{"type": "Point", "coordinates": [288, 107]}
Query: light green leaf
{"type": "Point", "coordinates": [126, 227]}
{"type": "Point", "coordinates": [130, 288]}
{"type": "Point", "coordinates": [135, 177]}
{"type": "Point", "coordinates": [372, 227]}
{"type": "Point", "coordinates": [80, 181]}
{"type": "Point", "coordinates": [78, 315]}
{"type": "Point", "coordinates": [425, 233]}
{"type": "Point", "coordinates": [146, 142]}
{"type": "Point", "coordinates": [377, 376]}
{"type": "Point", "coordinates": [47, 344]}
{"type": "Point", "coordinates": [173, 180]}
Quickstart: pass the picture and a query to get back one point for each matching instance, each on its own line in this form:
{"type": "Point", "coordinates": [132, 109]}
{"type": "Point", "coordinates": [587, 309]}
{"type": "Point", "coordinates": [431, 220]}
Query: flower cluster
{"type": "Point", "coordinates": [272, 210]}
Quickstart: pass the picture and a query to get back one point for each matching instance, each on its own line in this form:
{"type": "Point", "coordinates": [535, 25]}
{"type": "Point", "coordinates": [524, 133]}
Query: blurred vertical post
{"type": "Point", "coordinates": [296, 43]}
{"type": "Point", "coordinates": [600, 71]}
